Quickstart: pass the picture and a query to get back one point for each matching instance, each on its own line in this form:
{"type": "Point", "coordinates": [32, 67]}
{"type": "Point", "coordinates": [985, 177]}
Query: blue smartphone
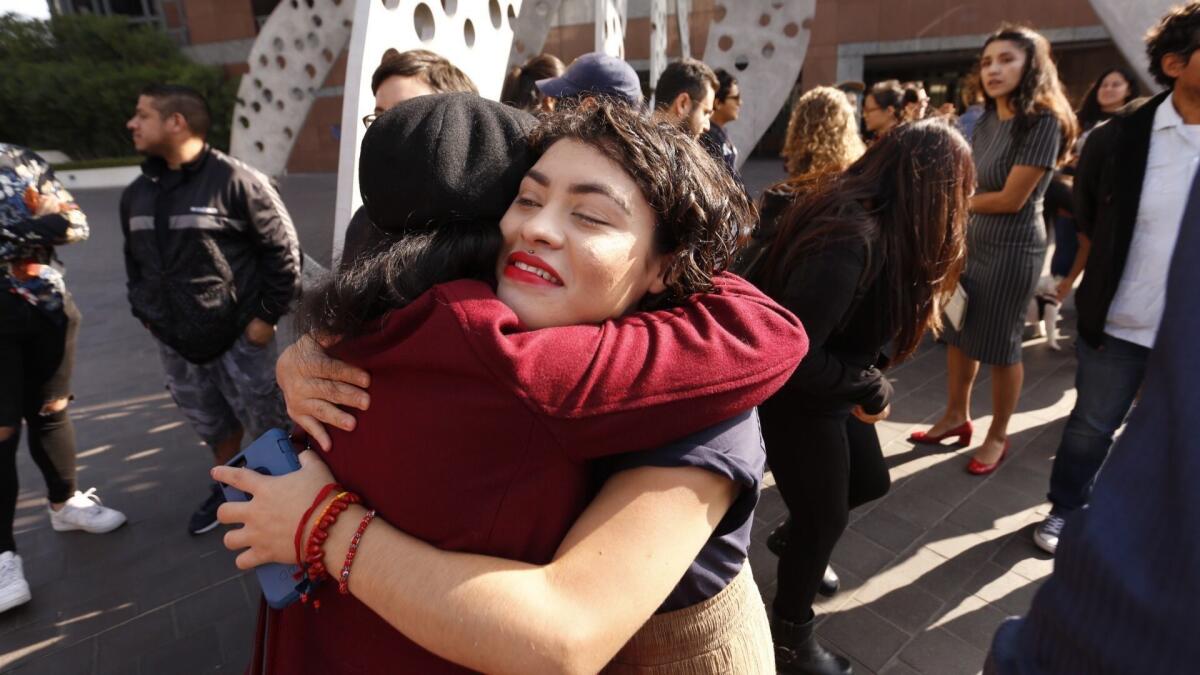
{"type": "Point", "coordinates": [272, 455]}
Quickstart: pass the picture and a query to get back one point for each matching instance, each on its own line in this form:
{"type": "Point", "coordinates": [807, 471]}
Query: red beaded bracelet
{"type": "Point", "coordinates": [320, 532]}
{"type": "Point", "coordinates": [344, 579]}
{"type": "Point", "coordinates": [321, 495]}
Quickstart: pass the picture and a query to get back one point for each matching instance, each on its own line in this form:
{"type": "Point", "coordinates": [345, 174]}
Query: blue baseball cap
{"type": "Point", "coordinates": [595, 73]}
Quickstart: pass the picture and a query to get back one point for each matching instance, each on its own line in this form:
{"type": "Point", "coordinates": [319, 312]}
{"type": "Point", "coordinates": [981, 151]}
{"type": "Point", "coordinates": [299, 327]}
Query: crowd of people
{"type": "Point", "coordinates": [562, 346]}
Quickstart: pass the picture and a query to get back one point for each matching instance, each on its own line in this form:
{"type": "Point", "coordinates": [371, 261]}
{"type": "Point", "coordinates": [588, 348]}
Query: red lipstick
{"type": "Point", "coordinates": [536, 271]}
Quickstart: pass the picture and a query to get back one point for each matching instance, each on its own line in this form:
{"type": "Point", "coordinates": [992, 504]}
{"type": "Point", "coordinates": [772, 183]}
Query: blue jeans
{"type": "Point", "coordinates": [1106, 383]}
{"type": "Point", "coordinates": [1066, 245]}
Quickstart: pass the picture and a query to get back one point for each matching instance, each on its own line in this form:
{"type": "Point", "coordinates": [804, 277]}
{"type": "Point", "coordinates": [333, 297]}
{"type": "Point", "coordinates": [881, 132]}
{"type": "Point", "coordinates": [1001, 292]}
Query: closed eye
{"type": "Point", "coordinates": [526, 202]}
{"type": "Point", "coordinates": [588, 219]}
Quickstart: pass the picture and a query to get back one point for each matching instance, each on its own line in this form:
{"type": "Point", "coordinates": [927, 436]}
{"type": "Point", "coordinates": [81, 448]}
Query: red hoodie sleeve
{"type": "Point", "coordinates": [644, 379]}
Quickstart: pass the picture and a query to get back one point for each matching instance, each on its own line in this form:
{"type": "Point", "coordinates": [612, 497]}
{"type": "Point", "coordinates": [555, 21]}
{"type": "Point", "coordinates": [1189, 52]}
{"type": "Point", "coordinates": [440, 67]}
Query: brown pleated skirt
{"type": "Point", "coordinates": [728, 633]}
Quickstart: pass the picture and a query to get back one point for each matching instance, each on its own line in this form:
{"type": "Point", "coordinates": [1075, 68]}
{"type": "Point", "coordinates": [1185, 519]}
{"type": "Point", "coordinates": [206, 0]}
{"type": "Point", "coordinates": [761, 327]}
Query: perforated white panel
{"type": "Point", "coordinates": [658, 40]}
{"type": "Point", "coordinates": [763, 45]}
{"type": "Point", "coordinates": [610, 27]}
{"type": "Point", "coordinates": [533, 25]}
{"type": "Point", "coordinates": [288, 63]}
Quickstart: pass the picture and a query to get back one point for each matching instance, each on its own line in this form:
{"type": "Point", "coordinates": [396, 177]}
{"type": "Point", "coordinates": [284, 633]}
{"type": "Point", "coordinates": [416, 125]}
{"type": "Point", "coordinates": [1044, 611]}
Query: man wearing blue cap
{"type": "Point", "coordinates": [593, 74]}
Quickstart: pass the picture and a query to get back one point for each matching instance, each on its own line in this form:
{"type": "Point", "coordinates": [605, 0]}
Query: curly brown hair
{"type": "Point", "coordinates": [822, 135]}
{"type": "Point", "coordinates": [701, 214]}
{"type": "Point", "coordinates": [1178, 32]}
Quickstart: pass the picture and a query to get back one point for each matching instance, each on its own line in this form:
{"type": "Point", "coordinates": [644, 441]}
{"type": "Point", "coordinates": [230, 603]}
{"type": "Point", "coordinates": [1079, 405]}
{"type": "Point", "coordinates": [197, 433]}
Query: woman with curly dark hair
{"type": "Point", "coordinates": [495, 409]}
{"type": "Point", "coordinates": [1026, 131]}
{"type": "Point", "coordinates": [863, 261]}
{"type": "Point", "coordinates": [1113, 89]}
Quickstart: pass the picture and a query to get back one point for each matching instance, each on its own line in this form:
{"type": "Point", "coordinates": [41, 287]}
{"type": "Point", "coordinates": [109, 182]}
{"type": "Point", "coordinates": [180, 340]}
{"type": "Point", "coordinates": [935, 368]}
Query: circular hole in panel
{"type": "Point", "coordinates": [450, 7]}
{"type": "Point", "coordinates": [742, 62]}
{"type": "Point", "coordinates": [327, 55]}
{"type": "Point", "coordinates": [281, 62]}
{"type": "Point", "coordinates": [240, 100]}
{"type": "Point", "coordinates": [295, 4]}
{"type": "Point", "coordinates": [279, 104]}
{"type": "Point", "coordinates": [520, 46]}
{"type": "Point", "coordinates": [298, 44]}
{"type": "Point", "coordinates": [298, 93]}
{"type": "Point", "coordinates": [512, 17]}
{"type": "Point", "coordinates": [278, 44]}
{"type": "Point", "coordinates": [768, 50]}
{"type": "Point", "coordinates": [337, 3]}
{"type": "Point", "coordinates": [423, 22]}
{"type": "Point", "coordinates": [268, 95]}
{"type": "Point", "coordinates": [764, 20]}
{"type": "Point", "coordinates": [719, 13]}
{"type": "Point", "coordinates": [256, 106]}
{"type": "Point", "coordinates": [310, 69]}
{"type": "Point", "coordinates": [244, 121]}
{"type": "Point", "coordinates": [346, 23]}
{"type": "Point", "coordinates": [258, 146]}
{"type": "Point", "coordinates": [391, 4]}
{"type": "Point", "coordinates": [724, 43]}
{"type": "Point", "coordinates": [469, 33]}
{"type": "Point", "coordinates": [791, 30]}
{"type": "Point", "coordinates": [313, 40]}
{"type": "Point", "coordinates": [777, 4]}
{"type": "Point", "coordinates": [287, 131]}
{"type": "Point", "coordinates": [541, 8]}
{"type": "Point", "coordinates": [494, 12]}
{"type": "Point", "coordinates": [317, 21]}
{"type": "Point", "coordinates": [309, 3]}
{"type": "Point", "coordinates": [263, 60]}
{"type": "Point", "coordinates": [258, 83]}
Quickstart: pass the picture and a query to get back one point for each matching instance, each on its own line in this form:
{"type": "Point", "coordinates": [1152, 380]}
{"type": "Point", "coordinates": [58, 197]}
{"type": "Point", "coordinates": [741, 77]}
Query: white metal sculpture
{"type": "Point", "coordinates": [1127, 22]}
{"type": "Point", "coordinates": [763, 45]}
{"type": "Point", "coordinates": [610, 27]}
{"type": "Point", "coordinates": [475, 35]}
{"type": "Point", "coordinates": [658, 40]}
{"type": "Point", "coordinates": [290, 60]}
{"type": "Point", "coordinates": [533, 25]}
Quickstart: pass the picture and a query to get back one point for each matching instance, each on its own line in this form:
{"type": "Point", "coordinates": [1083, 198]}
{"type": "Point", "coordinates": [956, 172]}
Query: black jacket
{"type": "Point", "coordinates": [1108, 191]}
{"type": "Point", "coordinates": [837, 295]}
{"type": "Point", "coordinates": [207, 249]}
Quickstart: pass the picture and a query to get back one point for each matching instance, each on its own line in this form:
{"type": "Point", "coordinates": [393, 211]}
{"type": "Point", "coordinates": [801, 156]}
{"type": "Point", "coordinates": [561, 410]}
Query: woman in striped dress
{"type": "Point", "coordinates": [1023, 134]}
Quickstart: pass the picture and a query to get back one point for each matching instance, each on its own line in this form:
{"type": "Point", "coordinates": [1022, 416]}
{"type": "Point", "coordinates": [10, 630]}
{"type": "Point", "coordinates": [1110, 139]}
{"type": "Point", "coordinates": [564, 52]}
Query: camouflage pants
{"type": "Point", "coordinates": [234, 391]}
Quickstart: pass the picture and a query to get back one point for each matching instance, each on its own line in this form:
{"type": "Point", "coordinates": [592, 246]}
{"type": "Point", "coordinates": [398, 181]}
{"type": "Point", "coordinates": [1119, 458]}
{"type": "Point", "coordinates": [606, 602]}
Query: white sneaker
{"type": "Point", "coordinates": [14, 590]}
{"type": "Point", "coordinates": [1046, 535]}
{"type": "Point", "coordinates": [84, 512]}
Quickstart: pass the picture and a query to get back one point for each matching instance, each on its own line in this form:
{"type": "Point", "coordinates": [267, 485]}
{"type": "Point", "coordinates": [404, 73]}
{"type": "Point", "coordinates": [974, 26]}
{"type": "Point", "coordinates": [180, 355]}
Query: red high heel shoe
{"type": "Point", "coordinates": [978, 468]}
{"type": "Point", "coordinates": [963, 431]}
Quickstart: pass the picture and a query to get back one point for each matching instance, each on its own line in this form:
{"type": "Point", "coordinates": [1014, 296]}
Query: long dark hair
{"type": "Point", "coordinates": [1090, 113]}
{"type": "Point", "coordinates": [1039, 91]}
{"type": "Point", "coordinates": [520, 85]}
{"type": "Point", "coordinates": [906, 200]}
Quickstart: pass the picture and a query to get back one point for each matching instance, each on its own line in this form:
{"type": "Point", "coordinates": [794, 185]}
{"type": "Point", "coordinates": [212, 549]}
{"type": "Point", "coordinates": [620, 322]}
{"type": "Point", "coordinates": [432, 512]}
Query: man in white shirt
{"type": "Point", "coordinates": [1131, 189]}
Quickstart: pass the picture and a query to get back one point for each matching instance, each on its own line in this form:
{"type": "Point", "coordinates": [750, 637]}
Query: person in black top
{"type": "Point", "coordinates": [726, 108]}
{"type": "Point", "coordinates": [863, 262]}
{"type": "Point", "coordinates": [213, 263]}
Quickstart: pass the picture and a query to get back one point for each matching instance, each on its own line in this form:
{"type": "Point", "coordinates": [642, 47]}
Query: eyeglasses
{"type": "Point", "coordinates": [368, 119]}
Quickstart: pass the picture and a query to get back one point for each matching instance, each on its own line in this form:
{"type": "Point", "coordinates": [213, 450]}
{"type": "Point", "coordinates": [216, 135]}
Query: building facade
{"type": "Point", "coordinates": [934, 41]}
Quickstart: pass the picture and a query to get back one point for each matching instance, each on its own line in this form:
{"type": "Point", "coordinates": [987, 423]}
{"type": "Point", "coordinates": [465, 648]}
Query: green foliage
{"type": "Point", "coordinates": [70, 83]}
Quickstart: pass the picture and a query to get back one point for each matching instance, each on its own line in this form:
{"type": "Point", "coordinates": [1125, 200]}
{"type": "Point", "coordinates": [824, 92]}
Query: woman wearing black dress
{"type": "Point", "coordinates": [1023, 135]}
{"type": "Point", "coordinates": [863, 261]}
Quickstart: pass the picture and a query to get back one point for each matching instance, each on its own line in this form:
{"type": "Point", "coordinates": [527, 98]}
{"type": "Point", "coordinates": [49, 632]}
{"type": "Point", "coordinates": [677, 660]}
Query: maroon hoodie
{"type": "Point", "coordinates": [479, 433]}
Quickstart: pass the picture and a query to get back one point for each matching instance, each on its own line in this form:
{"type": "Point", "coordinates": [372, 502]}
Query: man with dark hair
{"type": "Point", "coordinates": [416, 72]}
{"type": "Point", "coordinates": [726, 109]}
{"type": "Point", "coordinates": [685, 94]}
{"type": "Point", "coordinates": [1131, 186]}
{"type": "Point", "coordinates": [883, 107]}
{"type": "Point", "coordinates": [593, 74]}
{"type": "Point", "coordinates": [213, 262]}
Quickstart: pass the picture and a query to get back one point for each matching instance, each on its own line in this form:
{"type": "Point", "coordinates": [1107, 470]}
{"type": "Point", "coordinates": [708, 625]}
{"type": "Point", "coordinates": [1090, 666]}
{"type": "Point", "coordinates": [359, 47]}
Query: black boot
{"type": "Point", "coordinates": [797, 650]}
{"type": "Point", "coordinates": [829, 583]}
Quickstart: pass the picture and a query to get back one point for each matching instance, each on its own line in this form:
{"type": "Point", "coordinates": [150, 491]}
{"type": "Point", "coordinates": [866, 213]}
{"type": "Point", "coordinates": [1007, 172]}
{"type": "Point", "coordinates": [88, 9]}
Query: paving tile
{"type": "Point", "coordinates": [973, 620]}
{"type": "Point", "coordinates": [887, 529]}
{"type": "Point", "coordinates": [76, 659]}
{"type": "Point", "coordinates": [210, 606]}
{"type": "Point", "coordinates": [918, 509]}
{"type": "Point", "coordinates": [1009, 591]}
{"type": "Point", "coordinates": [863, 635]}
{"type": "Point", "coordinates": [904, 604]}
{"type": "Point", "coordinates": [948, 579]}
{"type": "Point", "coordinates": [1020, 555]}
{"type": "Point", "coordinates": [898, 668]}
{"type": "Point", "coordinates": [199, 650]}
{"type": "Point", "coordinates": [937, 651]}
{"type": "Point", "coordinates": [860, 555]}
{"type": "Point", "coordinates": [122, 645]}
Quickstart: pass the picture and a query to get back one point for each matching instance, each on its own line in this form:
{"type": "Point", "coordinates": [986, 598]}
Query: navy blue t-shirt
{"type": "Point", "coordinates": [733, 449]}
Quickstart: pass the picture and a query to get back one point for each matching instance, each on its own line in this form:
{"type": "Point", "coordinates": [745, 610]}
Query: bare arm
{"type": "Point", "coordinates": [496, 615]}
{"type": "Point", "coordinates": [1018, 187]}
